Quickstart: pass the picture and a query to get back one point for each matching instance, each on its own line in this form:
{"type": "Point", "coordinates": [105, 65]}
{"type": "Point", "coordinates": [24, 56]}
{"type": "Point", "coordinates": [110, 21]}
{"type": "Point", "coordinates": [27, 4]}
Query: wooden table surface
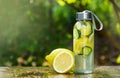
{"type": "Point", "coordinates": [46, 72]}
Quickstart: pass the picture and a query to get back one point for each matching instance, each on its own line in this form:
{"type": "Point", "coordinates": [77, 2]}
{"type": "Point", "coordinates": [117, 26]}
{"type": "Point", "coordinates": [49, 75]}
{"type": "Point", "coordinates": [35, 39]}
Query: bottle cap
{"type": "Point", "coordinates": [85, 15]}
{"type": "Point", "coordinates": [89, 15]}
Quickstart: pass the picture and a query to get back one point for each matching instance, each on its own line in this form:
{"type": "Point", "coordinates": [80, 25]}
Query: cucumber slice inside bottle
{"type": "Point", "coordinates": [76, 33]}
{"type": "Point", "coordinates": [86, 50]}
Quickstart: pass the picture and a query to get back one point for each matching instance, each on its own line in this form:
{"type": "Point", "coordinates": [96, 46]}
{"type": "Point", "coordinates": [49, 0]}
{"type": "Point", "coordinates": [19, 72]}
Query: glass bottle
{"type": "Point", "coordinates": [83, 41]}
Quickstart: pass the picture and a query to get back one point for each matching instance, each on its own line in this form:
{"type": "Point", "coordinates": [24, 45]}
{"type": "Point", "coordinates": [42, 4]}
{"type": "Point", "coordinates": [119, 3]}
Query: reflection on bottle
{"type": "Point", "coordinates": [70, 76]}
{"type": "Point", "coordinates": [83, 76]}
{"type": "Point", "coordinates": [60, 76]}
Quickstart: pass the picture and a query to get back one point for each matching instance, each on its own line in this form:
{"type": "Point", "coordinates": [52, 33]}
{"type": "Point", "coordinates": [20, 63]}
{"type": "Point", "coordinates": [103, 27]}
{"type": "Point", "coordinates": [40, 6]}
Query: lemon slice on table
{"type": "Point", "coordinates": [62, 60]}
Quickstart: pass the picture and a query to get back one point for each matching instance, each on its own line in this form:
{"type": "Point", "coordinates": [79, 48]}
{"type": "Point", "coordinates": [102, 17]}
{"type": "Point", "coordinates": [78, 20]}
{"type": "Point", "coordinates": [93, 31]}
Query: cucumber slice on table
{"type": "Point", "coordinates": [86, 29]}
{"type": "Point", "coordinates": [86, 50]}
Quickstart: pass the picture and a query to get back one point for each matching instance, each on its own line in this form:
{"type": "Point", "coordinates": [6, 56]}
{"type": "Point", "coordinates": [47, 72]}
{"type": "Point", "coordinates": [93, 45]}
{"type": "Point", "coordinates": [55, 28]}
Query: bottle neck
{"type": "Point", "coordinates": [84, 20]}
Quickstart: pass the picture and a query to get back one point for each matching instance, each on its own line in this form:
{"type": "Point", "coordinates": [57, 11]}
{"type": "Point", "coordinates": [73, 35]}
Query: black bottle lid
{"type": "Point", "coordinates": [85, 15]}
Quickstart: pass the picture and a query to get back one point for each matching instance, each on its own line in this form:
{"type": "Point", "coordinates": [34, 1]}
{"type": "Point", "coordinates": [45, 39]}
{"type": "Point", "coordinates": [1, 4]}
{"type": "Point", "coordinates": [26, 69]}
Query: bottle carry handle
{"type": "Point", "coordinates": [93, 20]}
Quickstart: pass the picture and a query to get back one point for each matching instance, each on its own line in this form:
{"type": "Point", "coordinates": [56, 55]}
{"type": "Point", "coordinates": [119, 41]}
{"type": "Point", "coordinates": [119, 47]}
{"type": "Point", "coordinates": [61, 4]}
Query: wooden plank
{"type": "Point", "coordinates": [47, 72]}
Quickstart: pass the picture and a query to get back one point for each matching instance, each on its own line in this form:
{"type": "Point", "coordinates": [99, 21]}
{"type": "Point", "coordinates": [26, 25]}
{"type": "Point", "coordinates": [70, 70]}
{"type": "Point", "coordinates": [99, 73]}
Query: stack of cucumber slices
{"type": "Point", "coordinates": [83, 35]}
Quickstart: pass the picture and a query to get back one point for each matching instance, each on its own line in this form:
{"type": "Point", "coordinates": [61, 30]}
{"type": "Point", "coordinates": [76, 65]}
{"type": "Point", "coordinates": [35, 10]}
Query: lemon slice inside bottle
{"type": "Point", "coordinates": [86, 29]}
{"type": "Point", "coordinates": [82, 46]}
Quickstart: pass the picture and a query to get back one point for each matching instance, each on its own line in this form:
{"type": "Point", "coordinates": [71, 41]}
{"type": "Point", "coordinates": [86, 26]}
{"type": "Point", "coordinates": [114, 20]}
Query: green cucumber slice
{"type": "Point", "coordinates": [76, 33]}
{"type": "Point", "coordinates": [86, 50]}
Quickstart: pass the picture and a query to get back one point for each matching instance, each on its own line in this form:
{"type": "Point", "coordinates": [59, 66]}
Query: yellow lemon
{"type": "Point", "coordinates": [52, 55]}
{"type": "Point", "coordinates": [62, 60]}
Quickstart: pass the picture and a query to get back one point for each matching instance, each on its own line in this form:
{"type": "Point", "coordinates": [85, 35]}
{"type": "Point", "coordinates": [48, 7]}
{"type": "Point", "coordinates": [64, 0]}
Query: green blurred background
{"type": "Point", "coordinates": [31, 29]}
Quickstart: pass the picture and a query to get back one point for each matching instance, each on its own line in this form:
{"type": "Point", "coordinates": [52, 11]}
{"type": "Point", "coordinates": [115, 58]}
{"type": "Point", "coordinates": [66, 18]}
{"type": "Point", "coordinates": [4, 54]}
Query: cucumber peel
{"type": "Point", "coordinates": [86, 50]}
{"type": "Point", "coordinates": [76, 33]}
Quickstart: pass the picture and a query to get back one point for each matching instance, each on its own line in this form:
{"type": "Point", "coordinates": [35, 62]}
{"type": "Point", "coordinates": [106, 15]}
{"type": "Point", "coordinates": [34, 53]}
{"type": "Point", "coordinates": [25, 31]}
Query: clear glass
{"type": "Point", "coordinates": [83, 46]}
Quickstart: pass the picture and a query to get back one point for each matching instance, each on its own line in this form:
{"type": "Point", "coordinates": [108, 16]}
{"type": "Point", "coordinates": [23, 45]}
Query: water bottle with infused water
{"type": "Point", "coordinates": [83, 41]}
